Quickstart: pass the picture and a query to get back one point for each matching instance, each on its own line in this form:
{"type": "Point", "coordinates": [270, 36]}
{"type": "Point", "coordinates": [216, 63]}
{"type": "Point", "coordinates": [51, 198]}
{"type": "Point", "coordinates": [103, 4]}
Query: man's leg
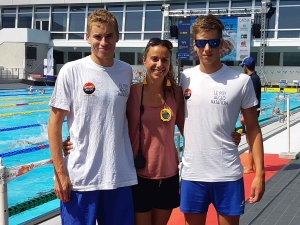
{"type": "Point", "coordinates": [228, 220]}
{"type": "Point", "coordinates": [229, 201]}
{"type": "Point", "coordinates": [195, 219]}
{"type": "Point", "coordinates": [116, 207]}
{"type": "Point", "coordinates": [194, 201]}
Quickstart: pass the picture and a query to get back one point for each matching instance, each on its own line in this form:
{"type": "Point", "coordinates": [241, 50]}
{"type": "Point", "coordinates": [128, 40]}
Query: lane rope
{"type": "Point", "coordinates": [27, 112]}
{"type": "Point", "coordinates": [12, 99]}
{"type": "Point", "coordinates": [22, 104]}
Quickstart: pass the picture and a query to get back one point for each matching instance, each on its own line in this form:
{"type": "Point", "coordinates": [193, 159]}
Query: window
{"type": "Point", "coordinates": [148, 36]}
{"type": "Point", "coordinates": [270, 34]}
{"type": "Point", "coordinates": [72, 56]}
{"type": "Point", "coordinates": [76, 36]}
{"type": "Point", "coordinates": [153, 6]}
{"type": "Point", "coordinates": [132, 37]}
{"type": "Point", "coordinates": [58, 57]}
{"type": "Point", "coordinates": [196, 5]}
{"type": "Point", "coordinates": [140, 59]}
{"type": "Point", "coordinates": [254, 56]}
{"type": "Point", "coordinates": [272, 58]}
{"type": "Point", "coordinates": [77, 22]}
{"type": "Point", "coordinates": [41, 18]}
{"type": "Point", "coordinates": [289, 34]}
{"type": "Point", "coordinates": [119, 17]}
{"type": "Point", "coordinates": [175, 6]}
{"type": "Point", "coordinates": [58, 36]}
{"type": "Point", "coordinates": [59, 22]}
{"type": "Point", "coordinates": [8, 17]}
{"type": "Point", "coordinates": [291, 59]}
{"type": "Point", "coordinates": [8, 20]}
{"type": "Point", "coordinates": [9, 10]}
{"type": "Point", "coordinates": [25, 10]}
{"type": "Point", "coordinates": [128, 57]}
{"type": "Point", "coordinates": [42, 10]}
{"type": "Point", "coordinates": [114, 7]}
{"type": "Point", "coordinates": [289, 17]}
{"type": "Point", "coordinates": [77, 8]}
{"type": "Point", "coordinates": [241, 3]}
{"type": "Point", "coordinates": [218, 4]}
{"type": "Point", "coordinates": [87, 54]}
{"type": "Point", "coordinates": [289, 2]}
{"type": "Point", "coordinates": [153, 21]}
{"type": "Point", "coordinates": [134, 7]}
{"type": "Point", "coordinates": [60, 9]}
{"type": "Point", "coordinates": [92, 8]}
{"type": "Point", "coordinates": [24, 20]}
{"type": "Point", "coordinates": [132, 23]}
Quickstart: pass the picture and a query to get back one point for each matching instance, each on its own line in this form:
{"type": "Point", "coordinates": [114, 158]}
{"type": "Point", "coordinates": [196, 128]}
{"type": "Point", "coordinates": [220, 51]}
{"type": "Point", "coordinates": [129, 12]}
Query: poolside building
{"type": "Point", "coordinates": [29, 28]}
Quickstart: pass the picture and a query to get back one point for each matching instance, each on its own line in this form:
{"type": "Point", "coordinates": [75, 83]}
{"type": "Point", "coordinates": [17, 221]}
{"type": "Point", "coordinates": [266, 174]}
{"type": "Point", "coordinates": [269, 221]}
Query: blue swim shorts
{"type": "Point", "coordinates": [113, 207]}
{"type": "Point", "coordinates": [228, 198]}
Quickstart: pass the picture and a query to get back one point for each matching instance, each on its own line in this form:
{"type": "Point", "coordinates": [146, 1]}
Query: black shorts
{"type": "Point", "coordinates": [159, 194]}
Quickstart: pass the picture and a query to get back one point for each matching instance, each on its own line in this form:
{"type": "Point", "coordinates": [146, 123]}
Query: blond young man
{"type": "Point", "coordinates": [214, 95]}
{"type": "Point", "coordinates": [94, 181]}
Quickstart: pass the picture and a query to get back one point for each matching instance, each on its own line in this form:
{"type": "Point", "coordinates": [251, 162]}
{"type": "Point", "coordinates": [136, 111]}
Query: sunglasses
{"type": "Point", "coordinates": [157, 41]}
{"type": "Point", "coordinates": [213, 43]}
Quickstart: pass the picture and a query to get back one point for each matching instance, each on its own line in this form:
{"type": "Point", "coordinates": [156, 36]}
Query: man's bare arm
{"type": "Point", "coordinates": [254, 136]}
{"type": "Point", "coordinates": [62, 183]}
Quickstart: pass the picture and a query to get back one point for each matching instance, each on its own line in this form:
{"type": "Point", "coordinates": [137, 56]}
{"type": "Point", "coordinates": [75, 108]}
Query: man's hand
{"type": "Point", "coordinates": [67, 146]}
{"type": "Point", "coordinates": [63, 187]}
{"type": "Point", "coordinates": [257, 188]}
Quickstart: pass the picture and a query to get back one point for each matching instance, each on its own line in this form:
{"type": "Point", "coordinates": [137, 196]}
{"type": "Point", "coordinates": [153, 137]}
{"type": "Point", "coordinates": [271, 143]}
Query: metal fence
{"type": "Point", "coordinates": [11, 73]}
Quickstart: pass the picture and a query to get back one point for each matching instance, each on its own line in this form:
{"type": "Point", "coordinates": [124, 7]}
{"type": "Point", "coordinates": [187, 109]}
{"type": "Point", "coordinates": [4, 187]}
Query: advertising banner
{"type": "Point", "coordinates": [236, 35]}
{"type": "Point", "coordinates": [48, 63]}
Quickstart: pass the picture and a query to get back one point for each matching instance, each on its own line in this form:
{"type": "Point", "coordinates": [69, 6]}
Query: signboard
{"type": "Point", "coordinates": [48, 63]}
{"type": "Point", "coordinates": [236, 35]}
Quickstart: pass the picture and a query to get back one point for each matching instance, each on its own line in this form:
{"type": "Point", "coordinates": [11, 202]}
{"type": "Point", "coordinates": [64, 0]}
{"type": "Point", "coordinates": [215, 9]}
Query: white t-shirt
{"type": "Point", "coordinates": [213, 102]}
{"type": "Point", "coordinates": [96, 98]}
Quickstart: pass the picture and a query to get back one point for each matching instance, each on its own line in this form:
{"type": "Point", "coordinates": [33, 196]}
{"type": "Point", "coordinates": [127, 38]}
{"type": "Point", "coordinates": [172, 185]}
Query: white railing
{"type": "Point", "coordinates": [11, 73]}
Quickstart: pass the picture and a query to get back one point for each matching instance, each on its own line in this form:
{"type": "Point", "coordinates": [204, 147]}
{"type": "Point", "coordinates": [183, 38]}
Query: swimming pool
{"type": "Point", "coordinates": [20, 130]}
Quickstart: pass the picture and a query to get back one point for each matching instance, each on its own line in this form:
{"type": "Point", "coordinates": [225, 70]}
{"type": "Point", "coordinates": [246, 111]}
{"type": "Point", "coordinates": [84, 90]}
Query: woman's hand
{"type": "Point", "coordinates": [67, 146]}
{"type": "Point", "coordinates": [236, 138]}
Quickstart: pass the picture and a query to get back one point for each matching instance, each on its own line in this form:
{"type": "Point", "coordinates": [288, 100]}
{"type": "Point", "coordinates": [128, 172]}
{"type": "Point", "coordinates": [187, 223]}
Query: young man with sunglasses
{"type": "Point", "coordinates": [214, 95]}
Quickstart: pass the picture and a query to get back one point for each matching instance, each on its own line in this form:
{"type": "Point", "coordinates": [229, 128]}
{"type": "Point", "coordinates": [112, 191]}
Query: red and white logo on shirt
{"type": "Point", "coordinates": [89, 88]}
{"type": "Point", "coordinates": [187, 94]}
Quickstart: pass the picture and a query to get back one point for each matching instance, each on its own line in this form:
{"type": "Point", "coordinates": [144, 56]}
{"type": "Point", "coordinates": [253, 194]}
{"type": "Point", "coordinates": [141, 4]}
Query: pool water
{"type": "Point", "coordinates": [14, 106]}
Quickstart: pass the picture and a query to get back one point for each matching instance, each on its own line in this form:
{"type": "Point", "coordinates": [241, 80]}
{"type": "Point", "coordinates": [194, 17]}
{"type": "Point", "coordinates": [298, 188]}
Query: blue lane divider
{"type": "Point", "coordinates": [21, 151]}
{"type": "Point", "coordinates": [21, 127]}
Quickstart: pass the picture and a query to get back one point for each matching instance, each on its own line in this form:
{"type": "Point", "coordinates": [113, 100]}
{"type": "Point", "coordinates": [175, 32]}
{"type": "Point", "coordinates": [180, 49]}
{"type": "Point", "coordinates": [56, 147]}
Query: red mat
{"type": "Point", "coordinates": [272, 165]}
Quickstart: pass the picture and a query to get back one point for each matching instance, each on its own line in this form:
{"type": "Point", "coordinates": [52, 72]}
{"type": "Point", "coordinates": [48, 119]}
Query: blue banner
{"type": "Point", "coordinates": [236, 36]}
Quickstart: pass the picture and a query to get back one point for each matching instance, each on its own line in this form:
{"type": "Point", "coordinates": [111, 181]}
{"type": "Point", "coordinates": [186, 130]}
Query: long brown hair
{"type": "Point", "coordinates": [171, 73]}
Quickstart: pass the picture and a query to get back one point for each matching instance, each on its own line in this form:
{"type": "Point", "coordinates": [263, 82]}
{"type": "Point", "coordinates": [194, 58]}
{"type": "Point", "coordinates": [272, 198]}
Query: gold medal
{"type": "Point", "coordinates": [165, 115]}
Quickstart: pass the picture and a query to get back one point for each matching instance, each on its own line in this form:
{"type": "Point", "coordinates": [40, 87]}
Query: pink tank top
{"type": "Point", "coordinates": [158, 145]}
